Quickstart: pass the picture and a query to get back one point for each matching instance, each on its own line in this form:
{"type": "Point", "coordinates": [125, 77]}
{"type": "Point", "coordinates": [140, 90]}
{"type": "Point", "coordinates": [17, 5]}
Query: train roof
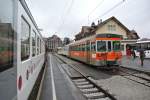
{"type": "Point", "coordinates": [26, 8]}
{"type": "Point", "coordinates": [83, 40]}
{"type": "Point", "coordinates": [95, 36]}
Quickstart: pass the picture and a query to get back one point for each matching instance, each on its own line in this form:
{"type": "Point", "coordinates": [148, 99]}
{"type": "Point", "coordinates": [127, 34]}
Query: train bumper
{"type": "Point", "coordinates": [100, 63]}
{"type": "Point", "coordinates": [112, 63]}
{"type": "Point", "coordinates": [106, 63]}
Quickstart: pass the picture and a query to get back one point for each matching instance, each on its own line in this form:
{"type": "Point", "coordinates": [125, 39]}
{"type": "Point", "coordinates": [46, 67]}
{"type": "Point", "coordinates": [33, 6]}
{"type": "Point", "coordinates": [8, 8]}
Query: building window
{"type": "Point", "coordinates": [111, 28]}
{"type": "Point", "coordinates": [25, 39]}
{"type": "Point", "coordinates": [33, 35]}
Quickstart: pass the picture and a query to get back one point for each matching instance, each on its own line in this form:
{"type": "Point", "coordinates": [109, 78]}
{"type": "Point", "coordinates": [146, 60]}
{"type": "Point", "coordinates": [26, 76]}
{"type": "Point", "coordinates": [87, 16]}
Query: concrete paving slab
{"type": "Point", "coordinates": [143, 75]}
{"type": "Point", "coordinates": [8, 88]}
{"type": "Point", "coordinates": [72, 73]}
{"type": "Point", "coordinates": [130, 62]}
{"type": "Point", "coordinates": [125, 89]}
{"type": "Point", "coordinates": [136, 79]}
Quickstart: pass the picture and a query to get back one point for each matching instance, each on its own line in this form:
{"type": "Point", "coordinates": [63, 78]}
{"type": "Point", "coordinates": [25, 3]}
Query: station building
{"type": "Point", "coordinates": [112, 26]}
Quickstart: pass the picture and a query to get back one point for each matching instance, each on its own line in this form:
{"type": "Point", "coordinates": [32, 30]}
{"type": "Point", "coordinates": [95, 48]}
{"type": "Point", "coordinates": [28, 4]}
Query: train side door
{"type": "Point", "coordinates": [88, 49]}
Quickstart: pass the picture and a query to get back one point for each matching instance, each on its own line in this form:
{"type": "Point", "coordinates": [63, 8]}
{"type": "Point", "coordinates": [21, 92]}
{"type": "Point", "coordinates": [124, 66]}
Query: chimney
{"type": "Point", "coordinates": [93, 24]}
{"type": "Point", "coordinates": [99, 21]}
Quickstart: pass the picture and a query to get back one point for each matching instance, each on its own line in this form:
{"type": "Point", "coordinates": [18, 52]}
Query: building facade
{"type": "Point", "coordinates": [53, 43]}
{"type": "Point", "coordinates": [66, 41]}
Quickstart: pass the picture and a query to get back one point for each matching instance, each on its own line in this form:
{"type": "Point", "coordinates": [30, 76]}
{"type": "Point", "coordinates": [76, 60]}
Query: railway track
{"type": "Point", "coordinates": [87, 87]}
{"type": "Point", "coordinates": [136, 76]}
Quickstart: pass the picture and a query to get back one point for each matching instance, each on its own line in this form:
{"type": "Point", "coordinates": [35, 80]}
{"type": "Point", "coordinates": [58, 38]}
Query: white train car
{"type": "Point", "coordinates": [23, 47]}
{"type": "Point", "coordinates": [64, 50]}
{"type": "Point", "coordinates": [59, 50]}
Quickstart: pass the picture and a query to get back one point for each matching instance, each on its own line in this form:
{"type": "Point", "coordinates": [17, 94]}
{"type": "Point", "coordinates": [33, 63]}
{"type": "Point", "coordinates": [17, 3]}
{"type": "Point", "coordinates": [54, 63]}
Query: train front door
{"type": "Point", "coordinates": [88, 49]}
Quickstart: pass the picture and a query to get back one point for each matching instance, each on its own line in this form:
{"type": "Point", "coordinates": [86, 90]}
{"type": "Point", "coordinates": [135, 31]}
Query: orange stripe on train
{"type": "Point", "coordinates": [108, 38]}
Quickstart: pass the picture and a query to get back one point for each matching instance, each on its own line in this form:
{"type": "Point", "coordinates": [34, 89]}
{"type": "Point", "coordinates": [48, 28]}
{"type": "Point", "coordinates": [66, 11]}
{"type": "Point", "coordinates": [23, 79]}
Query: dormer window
{"type": "Point", "coordinates": [111, 28]}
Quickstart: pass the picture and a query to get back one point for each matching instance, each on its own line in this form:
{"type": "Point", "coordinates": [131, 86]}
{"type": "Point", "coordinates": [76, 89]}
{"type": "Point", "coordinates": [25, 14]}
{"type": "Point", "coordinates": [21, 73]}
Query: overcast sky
{"type": "Point", "coordinates": [65, 17]}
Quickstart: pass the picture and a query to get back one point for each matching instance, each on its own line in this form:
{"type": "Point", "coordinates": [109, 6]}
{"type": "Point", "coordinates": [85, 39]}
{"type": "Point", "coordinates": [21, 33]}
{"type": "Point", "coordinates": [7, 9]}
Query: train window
{"type": "Point", "coordinates": [109, 45]}
{"type": "Point", "coordinates": [42, 48]}
{"type": "Point", "coordinates": [116, 45]}
{"type": "Point", "coordinates": [6, 46]}
{"type": "Point", "coordinates": [83, 47]}
{"type": "Point", "coordinates": [38, 39]}
{"type": "Point", "coordinates": [77, 47]}
{"type": "Point", "coordinates": [101, 46]}
{"type": "Point", "coordinates": [40, 45]}
{"type": "Point", "coordinates": [33, 35]}
{"type": "Point", "coordinates": [25, 39]}
{"type": "Point", "coordinates": [88, 47]}
{"type": "Point", "coordinates": [73, 48]}
{"type": "Point", "coordinates": [80, 47]}
{"type": "Point", "coordinates": [148, 46]}
{"type": "Point", "coordinates": [93, 46]}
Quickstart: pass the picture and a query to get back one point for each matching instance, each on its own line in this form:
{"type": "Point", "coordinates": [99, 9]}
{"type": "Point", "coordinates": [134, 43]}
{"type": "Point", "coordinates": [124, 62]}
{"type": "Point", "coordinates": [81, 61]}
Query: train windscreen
{"type": "Point", "coordinates": [101, 46]}
{"type": "Point", "coordinates": [116, 45]}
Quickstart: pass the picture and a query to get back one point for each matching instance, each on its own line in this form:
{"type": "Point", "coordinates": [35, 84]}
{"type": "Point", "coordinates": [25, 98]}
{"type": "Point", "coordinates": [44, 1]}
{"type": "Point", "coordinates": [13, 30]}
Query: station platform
{"type": "Point", "coordinates": [56, 84]}
{"type": "Point", "coordinates": [8, 88]}
{"type": "Point", "coordinates": [135, 63]}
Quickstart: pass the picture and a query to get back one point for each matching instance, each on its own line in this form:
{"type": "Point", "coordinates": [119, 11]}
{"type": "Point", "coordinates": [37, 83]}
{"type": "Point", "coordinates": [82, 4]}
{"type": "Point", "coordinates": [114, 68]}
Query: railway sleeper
{"type": "Point", "coordinates": [106, 98]}
{"type": "Point", "coordinates": [80, 80]}
{"type": "Point", "coordinates": [91, 90]}
{"type": "Point", "coordinates": [82, 83]}
{"type": "Point", "coordinates": [85, 86]}
{"type": "Point", "coordinates": [95, 95]}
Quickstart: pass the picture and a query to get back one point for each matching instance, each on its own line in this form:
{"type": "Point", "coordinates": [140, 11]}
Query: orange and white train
{"type": "Point", "coordinates": [100, 50]}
